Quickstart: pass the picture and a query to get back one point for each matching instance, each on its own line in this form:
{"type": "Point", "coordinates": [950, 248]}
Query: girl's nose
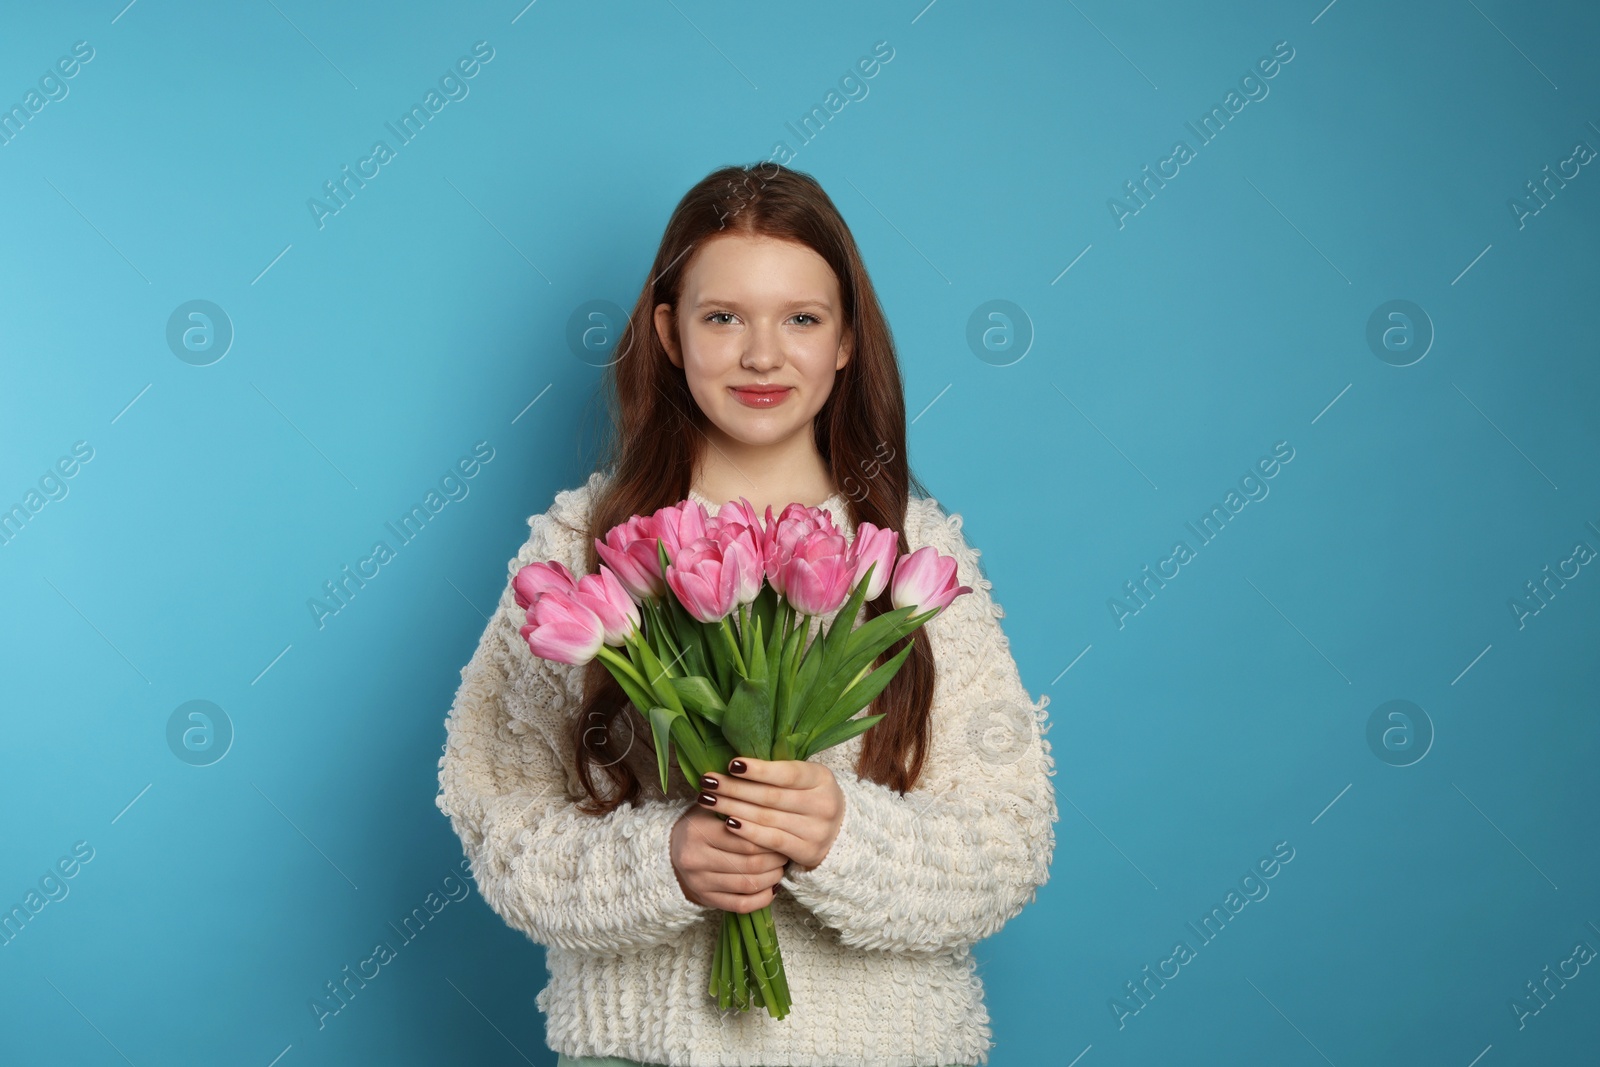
{"type": "Point", "coordinates": [763, 351]}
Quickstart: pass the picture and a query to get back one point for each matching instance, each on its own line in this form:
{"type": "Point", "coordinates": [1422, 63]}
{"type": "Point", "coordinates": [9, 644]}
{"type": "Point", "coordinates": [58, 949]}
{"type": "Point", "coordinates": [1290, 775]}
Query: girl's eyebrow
{"type": "Point", "coordinates": [805, 302]}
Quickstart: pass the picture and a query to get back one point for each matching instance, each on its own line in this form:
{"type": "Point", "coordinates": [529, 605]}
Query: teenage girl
{"type": "Point", "coordinates": [756, 364]}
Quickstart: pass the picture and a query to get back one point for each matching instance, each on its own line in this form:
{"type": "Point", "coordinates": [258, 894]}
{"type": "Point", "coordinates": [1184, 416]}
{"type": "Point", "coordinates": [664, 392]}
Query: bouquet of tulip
{"type": "Point", "coordinates": [705, 622]}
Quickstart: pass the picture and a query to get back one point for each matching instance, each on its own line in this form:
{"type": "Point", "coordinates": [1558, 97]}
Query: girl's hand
{"type": "Point", "coordinates": [789, 806]}
{"type": "Point", "coordinates": [718, 870]}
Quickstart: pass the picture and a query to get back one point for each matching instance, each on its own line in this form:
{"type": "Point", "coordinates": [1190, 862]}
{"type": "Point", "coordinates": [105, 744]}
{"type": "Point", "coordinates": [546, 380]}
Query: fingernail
{"type": "Point", "coordinates": [707, 799]}
{"type": "Point", "coordinates": [708, 781]}
{"type": "Point", "coordinates": [736, 767]}
{"type": "Point", "coordinates": [734, 824]}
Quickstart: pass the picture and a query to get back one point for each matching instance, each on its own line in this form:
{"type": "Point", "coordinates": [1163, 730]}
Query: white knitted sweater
{"type": "Point", "coordinates": [876, 940]}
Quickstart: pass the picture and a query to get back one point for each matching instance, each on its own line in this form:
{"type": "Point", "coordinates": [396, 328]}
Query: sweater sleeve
{"type": "Point", "coordinates": [954, 859]}
{"type": "Point", "coordinates": [563, 877]}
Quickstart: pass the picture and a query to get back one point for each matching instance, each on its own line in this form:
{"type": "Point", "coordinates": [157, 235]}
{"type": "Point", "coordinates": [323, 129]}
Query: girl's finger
{"type": "Point", "coordinates": [743, 810]}
{"type": "Point", "coordinates": [770, 828]}
{"type": "Point", "coordinates": [767, 836]}
{"type": "Point", "coordinates": [739, 903]}
{"type": "Point", "coordinates": [788, 773]}
{"type": "Point", "coordinates": [761, 794]}
{"type": "Point", "coordinates": [734, 854]}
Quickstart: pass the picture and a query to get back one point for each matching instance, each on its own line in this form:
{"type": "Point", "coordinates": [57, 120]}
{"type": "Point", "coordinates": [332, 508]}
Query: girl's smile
{"type": "Point", "coordinates": [761, 396]}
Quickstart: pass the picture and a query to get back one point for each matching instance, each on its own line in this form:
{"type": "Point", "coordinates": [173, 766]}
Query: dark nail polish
{"type": "Point", "coordinates": [707, 799]}
{"type": "Point", "coordinates": [736, 767]}
{"type": "Point", "coordinates": [734, 824]}
{"type": "Point", "coordinates": [708, 781]}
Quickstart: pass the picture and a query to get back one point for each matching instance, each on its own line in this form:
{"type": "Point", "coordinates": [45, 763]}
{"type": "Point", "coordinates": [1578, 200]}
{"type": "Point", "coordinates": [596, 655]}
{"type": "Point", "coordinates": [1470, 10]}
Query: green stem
{"type": "Point", "coordinates": [725, 628]}
{"type": "Point", "coordinates": [741, 993]}
{"type": "Point", "coordinates": [724, 989]}
{"type": "Point", "coordinates": [767, 932]}
{"type": "Point", "coordinates": [714, 987]}
{"type": "Point", "coordinates": [622, 663]}
{"type": "Point", "coordinates": [752, 942]}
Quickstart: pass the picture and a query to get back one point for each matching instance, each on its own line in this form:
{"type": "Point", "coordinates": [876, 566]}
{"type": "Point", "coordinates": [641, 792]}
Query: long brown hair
{"type": "Point", "coordinates": [657, 433]}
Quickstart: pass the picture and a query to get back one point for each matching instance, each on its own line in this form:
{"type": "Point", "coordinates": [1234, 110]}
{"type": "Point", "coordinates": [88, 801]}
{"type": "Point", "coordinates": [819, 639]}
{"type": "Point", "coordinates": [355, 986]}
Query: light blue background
{"type": "Point", "coordinates": [1230, 313]}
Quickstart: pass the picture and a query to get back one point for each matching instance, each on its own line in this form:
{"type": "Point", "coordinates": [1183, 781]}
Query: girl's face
{"type": "Point", "coordinates": [757, 311]}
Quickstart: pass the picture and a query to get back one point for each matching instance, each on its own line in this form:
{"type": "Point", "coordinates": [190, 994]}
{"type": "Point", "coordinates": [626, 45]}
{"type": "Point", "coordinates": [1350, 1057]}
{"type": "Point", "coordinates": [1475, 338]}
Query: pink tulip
{"type": "Point", "coordinates": [817, 573]}
{"type": "Point", "coordinates": [742, 512]}
{"type": "Point", "coordinates": [707, 578]}
{"type": "Point", "coordinates": [538, 578]}
{"type": "Point", "coordinates": [604, 595]}
{"type": "Point", "coordinates": [680, 524]}
{"type": "Point", "coordinates": [629, 549]}
{"type": "Point", "coordinates": [562, 629]}
{"type": "Point", "coordinates": [748, 562]}
{"type": "Point", "coordinates": [925, 580]}
{"type": "Point", "coordinates": [794, 525]}
{"type": "Point", "coordinates": [874, 545]}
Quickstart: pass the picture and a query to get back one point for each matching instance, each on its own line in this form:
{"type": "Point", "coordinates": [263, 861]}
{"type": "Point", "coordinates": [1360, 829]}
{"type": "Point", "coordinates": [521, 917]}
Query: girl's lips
{"type": "Point", "coordinates": [762, 398]}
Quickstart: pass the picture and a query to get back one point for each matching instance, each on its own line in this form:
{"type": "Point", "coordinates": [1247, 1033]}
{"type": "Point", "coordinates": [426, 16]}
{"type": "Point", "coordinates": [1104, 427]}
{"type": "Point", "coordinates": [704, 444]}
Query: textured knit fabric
{"type": "Point", "coordinates": [876, 940]}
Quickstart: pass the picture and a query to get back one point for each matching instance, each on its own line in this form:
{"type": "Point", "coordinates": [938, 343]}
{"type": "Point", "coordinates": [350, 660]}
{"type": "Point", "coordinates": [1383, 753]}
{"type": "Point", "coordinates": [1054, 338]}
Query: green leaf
{"type": "Point", "coordinates": [660, 636]}
{"type": "Point", "coordinates": [800, 701]}
{"type": "Point", "coordinates": [786, 690]}
{"type": "Point", "coordinates": [689, 632]}
{"type": "Point", "coordinates": [747, 722]}
{"type": "Point", "coordinates": [661, 720]}
{"type": "Point", "coordinates": [686, 767]}
{"type": "Point", "coordinates": [844, 621]}
{"type": "Point", "coordinates": [862, 693]}
{"type": "Point", "coordinates": [657, 678]}
{"type": "Point", "coordinates": [756, 655]}
{"type": "Point", "coordinates": [773, 628]}
{"type": "Point", "coordinates": [765, 608]}
{"type": "Point", "coordinates": [698, 695]}
{"type": "Point", "coordinates": [789, 746]}
{"type": "Point", "coordinates": [718, 657]}
{"type": "Point", "coordinates": [632, 684]}
{"type": "Point", "coordinates": [718, 753]}
{"type": "Point", "coordinates": [843, 732]}
{"type": "Point", "coordinates": [691, 750]}
{"type": "Point", "coordinates": [725, 629]}
{"type": "Point", "coordinates": [663, 644]}
{"type": "Point", "coordinates": [868, 642]}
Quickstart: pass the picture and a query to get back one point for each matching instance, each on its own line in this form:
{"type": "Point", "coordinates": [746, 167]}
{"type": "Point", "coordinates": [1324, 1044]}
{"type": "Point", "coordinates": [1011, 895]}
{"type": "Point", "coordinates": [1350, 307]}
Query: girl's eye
{"type": "Point", "coordinates": [717, 316]}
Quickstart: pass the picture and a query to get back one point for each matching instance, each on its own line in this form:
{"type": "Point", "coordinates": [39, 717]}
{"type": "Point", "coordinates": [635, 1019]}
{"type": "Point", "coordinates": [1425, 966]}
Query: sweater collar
{"type": "Point", "coordinates": [835, 505]}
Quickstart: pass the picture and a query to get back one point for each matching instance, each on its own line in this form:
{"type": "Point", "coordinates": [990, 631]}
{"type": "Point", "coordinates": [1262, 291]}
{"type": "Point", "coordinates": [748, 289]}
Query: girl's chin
{"type": "Point", "coordinates": [756, 429]}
